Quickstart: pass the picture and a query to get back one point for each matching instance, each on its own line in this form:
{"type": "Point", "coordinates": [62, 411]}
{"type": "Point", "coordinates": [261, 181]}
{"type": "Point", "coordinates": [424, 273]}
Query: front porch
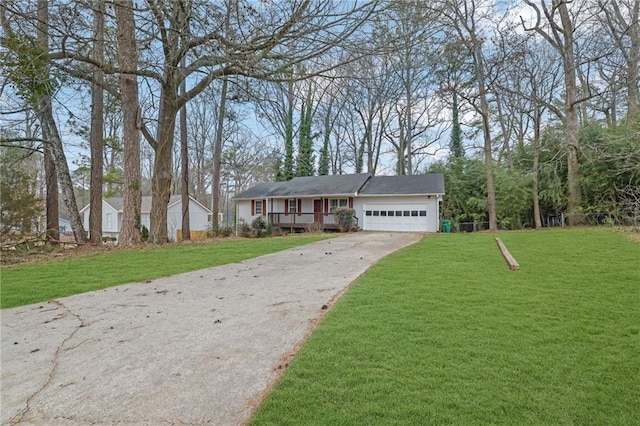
{"type": "Point", "coordinates": [300, 221]}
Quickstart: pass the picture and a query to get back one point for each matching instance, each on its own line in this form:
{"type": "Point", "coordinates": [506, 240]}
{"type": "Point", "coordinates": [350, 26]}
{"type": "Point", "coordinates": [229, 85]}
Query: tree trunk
{"type": "Point", "coordinates": [52, 201]}
{"type": "Point", "coordinates": [409, 118]}
{"type": "Point", "coordinates": [633, 92]}
{"type": "Point", "coordinates": [217, 156]}
{"type": "Point", "coordinates": [574, 196]}
{"type": "Point", "coordinates": [51, 134]}
{"type": "Point", "coordinates": [130, 231]}
{"type": "Point", "coordinates": [184, 155]}
{"type": "Point", "coordinates": [51, 180]}
{"type": "Point", "coordinates": [536, 166]}
{"type": "Point", "coordinates": [484, 112]}
{"type": "Point", "coordinates": [50, 131]}
{"type": "Point", "coordinates": [162, 165]}
{"type": "Point", "coordinates": [96, 137]}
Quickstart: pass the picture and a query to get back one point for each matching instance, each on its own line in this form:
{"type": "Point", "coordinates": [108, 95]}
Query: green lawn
{"type": "Point", "coordinates": [443, 332]}
{"type": "Point", "coordinates": [21, 285]}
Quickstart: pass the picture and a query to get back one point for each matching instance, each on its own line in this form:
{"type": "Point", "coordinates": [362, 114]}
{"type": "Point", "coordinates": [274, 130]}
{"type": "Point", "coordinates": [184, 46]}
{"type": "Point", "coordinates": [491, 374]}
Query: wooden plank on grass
{"type": "Point", "coordinates": [511, 261]}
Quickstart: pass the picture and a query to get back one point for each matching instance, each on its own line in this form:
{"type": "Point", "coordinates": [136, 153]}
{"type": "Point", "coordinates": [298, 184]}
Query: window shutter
{"type": "Point", "coordinates": [253, 207]}
{"type": "Point", "coordinates": [286, 206]}
{"type": "Point", "coordinates": [350, 202]}
{"type": "Point", "coordinates": [326, 206]}
{"type": "Point", "coordinates": [299, 206]}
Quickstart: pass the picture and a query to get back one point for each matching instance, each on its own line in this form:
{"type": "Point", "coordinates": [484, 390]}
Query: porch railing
{"type": "Point", "coordinates": [300, 220]}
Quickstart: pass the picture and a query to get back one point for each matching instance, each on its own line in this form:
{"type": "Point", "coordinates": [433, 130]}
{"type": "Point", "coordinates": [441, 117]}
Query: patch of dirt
{"type": "Point", "coordinates": [634, 236]}
{"type": "Point", "coordinates": [47, 253]}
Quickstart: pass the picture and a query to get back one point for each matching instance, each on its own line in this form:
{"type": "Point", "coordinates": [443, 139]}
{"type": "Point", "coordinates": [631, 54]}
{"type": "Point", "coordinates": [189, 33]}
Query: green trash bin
{"type": "Point", "coordinates": [446, 226]}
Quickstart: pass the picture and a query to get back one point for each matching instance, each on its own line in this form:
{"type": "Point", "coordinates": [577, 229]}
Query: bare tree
{"type": "Point", "coordinates": [96, 138]}
{"type": "Point", "coordinates": [559, 33]}
{"type": "Point", "coordinates": [463, 17]}
{"type": "Point", "coordinates": [130, 231]}
{"type": "Point", "coordinates": [38, 92]}
{"type": "Point", "coordinates": [184, 156]}
{"type": "Point", "coordinates": [622, 19]}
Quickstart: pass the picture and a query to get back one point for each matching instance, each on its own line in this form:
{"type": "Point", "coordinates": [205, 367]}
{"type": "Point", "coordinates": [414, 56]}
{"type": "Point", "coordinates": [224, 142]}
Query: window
{"type": "Point", "coordinates": [414, 213]}
{"type": "Point", "coordinates": [423, 213]}
{"type": "Point", "coordinates": [398, 212]}
{"type": "Point", "coordinates": [108, 218]}
{"type": "Point", "coordinates": [405, 213]}
{"type": "Point", "coordinates": [258, 207]}
{"type": "Point", "coordinates": [390, 213]}
{"type": "Point", "coordinates": [292, 206]}
{"type": "Point", "coordinates": [383, 212]}
{"type": "Point", "coordinates": [367, 213]}
{"type": "Point", "coordinates": [376, 212]}
{"type": "Point", "coordinates": [337, 202]}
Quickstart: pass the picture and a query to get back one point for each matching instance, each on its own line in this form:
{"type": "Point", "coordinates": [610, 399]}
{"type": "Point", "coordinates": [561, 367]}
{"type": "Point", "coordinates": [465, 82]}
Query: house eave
{"type": "Point", "coordinates": [403, 195]}
{"type": "Point", "coordinates": [279, 197]}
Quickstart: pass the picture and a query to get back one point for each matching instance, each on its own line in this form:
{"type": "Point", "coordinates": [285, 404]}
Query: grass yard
{"type": "Point", "coordinates": [21, 285]}
{"type": "Point", "coordinates": [444, 333]}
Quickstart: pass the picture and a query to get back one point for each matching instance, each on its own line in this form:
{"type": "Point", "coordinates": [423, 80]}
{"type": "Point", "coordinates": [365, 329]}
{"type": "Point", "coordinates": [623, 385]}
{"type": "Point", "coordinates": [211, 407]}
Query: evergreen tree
{"type": "Point", "coordinates": [305, 144]}
{"type": "Point", "coordinates": [323, 167]}
{"type": "Point", "coordinates": [287, 172]}
{"type": "Point", "coordinates": [456, 133]}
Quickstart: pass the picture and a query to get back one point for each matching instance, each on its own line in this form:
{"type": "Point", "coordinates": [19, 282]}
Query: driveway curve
{"type": "Point", "coordinates": [195, 348]}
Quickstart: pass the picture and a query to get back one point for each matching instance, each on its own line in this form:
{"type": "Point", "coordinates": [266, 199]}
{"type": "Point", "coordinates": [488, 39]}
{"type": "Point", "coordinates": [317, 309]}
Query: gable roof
{"type": "Point", "coordinates": [347, 185]}
{"type": "Point", "coordinates": [431, 183]}
{"type": "Point", "coordinates": [307, 186]}
{"type": "Point", "coordinates": [118, 203]}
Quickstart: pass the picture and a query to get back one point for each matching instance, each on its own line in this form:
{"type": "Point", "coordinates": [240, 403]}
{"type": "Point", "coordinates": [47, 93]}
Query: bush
{"type": "Point", "coordinates": [315, 228]}
{"type": "Point", "coordinates": [244, 230]}
{"type": "Point", "coordinates": [344, 218]}
{"type": "Point", "coordinates": [223, 231]}
{"type": "Point", "coordinates": [144, 233]}
{"type": "Point", "coordinates": [258, 225]}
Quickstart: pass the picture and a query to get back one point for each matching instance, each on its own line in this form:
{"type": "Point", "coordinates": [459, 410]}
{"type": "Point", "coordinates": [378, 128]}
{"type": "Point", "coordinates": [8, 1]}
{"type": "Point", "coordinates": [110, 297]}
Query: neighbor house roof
{"type": "Point", "coordinates": [431, 183]}
{"type": "Point", "coordinates": [118, 203]}
{"type": "Point", "coordinates": [307, 186]}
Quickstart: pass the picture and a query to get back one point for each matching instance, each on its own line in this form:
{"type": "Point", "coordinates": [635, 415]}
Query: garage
{"type": "Point", "coordinates": [396, 217]}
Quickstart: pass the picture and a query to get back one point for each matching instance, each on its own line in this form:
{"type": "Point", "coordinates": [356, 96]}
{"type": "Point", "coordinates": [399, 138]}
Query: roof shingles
{"type": "Point", "coordinates": [356, 184]}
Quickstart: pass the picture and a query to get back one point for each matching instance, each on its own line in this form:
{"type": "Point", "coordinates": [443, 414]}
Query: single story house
{"type": "Point", "coordinates": [199, 216]}
{"type": "Point", "coordinates": [382, 203]}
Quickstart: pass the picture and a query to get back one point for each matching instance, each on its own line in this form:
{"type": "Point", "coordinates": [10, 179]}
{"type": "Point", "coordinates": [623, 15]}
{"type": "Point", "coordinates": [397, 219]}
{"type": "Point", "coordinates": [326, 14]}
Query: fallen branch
{"type": "Point", "coordinates": [513, 265]}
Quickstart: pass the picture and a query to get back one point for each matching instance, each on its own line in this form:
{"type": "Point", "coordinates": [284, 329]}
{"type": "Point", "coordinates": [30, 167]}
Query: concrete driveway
{"type": "Point", "coordinates": [195, 348]}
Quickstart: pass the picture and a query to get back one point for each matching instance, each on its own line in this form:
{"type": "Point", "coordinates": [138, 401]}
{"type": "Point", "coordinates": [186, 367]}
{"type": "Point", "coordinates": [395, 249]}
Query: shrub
{"type": "Point", "coordinates": [244, 230]}
{"type": "Point", "coordinates": [258, 225]}
{"type": "Point", "coordinates": [144, 233]}
{"type": "Point", "coordinates": [222, 231]}
{"type": "Point", "coordinates": [344, 218]}
{"type": "Point", "coordinates": [315, 227]}
{"type": "Point", "coordinates": [225, 231]}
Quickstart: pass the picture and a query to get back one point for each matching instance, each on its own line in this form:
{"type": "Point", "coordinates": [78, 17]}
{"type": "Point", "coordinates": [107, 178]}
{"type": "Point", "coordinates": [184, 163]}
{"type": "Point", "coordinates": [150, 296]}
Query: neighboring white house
{"type": "Point", "coordinates": [382, 203]}
{"type": "Point", "coordinates": [199, 216]}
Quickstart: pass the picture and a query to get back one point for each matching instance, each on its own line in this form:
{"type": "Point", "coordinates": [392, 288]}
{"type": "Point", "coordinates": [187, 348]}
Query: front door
{"type": "Point", "coordinates": [317, 211]}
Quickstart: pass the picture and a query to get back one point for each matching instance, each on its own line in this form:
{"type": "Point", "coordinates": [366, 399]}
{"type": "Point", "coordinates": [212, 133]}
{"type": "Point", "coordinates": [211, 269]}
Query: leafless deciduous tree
{"type": "Point", "coordinates": [622, 19]}
{"type": "Point", "coordinates": [463, 16]}
{"type": "Point", "coordinates": [96, 137]}
{"type": "Point", "coordinates": [559, 33]}
{"type": "Point", "coordinates": [39, 92]}
{"type": "Point", "coordinates": [127, 53]}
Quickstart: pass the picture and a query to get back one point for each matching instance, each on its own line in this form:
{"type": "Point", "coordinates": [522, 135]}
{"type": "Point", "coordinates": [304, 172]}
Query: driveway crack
{"type": "Point", "coordinates": [54, 363]}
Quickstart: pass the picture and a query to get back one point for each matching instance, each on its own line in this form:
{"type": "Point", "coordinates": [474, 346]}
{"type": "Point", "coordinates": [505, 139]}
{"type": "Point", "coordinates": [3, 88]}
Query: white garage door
{"type": "Point", "coordinates": [395, 217]}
